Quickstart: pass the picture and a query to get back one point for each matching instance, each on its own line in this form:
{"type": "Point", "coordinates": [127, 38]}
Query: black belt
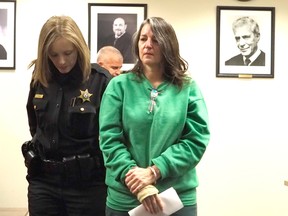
{"type": "Point", "coordinates": [59, 167]}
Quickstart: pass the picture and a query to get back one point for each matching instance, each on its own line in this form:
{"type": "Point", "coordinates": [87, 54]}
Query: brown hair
{"type": "Point", "coordinates": [175, 66]}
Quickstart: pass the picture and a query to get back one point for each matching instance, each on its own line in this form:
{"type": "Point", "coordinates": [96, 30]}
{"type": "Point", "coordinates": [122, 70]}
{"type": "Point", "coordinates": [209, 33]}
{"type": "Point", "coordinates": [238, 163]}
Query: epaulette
{"type": "Point", "coordinates": [101, 70]}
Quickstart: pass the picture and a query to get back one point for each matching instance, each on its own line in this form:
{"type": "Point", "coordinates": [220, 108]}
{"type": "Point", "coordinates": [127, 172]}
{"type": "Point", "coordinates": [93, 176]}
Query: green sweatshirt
{"type": "Point", "coordinates": [173, 135]}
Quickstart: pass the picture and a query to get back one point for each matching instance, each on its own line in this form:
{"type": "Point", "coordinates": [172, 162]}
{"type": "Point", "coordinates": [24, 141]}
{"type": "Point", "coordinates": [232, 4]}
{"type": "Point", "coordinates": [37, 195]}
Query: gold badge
{"type": "Point", "coordinates": [84, 95]}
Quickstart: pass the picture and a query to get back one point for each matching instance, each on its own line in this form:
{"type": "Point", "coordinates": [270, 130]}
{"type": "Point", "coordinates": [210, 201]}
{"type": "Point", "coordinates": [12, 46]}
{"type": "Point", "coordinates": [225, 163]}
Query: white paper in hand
{"type": "Point", "coordinates": [171, 204]}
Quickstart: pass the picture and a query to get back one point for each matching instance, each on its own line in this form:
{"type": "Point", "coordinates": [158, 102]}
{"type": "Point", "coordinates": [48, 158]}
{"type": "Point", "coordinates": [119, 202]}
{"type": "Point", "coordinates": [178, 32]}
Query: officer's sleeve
{"type": "Point", "coordinates": [30, 111]}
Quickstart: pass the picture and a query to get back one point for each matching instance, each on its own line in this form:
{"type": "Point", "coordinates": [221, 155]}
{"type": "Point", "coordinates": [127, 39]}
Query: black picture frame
{"type": "Point", "coordinates": [100, 21]}
{"type": "Point", "coordinates": [226, 47]}
{"type": "Point", "coordinates": [7, 34]}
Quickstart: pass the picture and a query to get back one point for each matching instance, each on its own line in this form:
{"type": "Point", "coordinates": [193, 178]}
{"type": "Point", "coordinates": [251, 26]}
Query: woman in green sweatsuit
{"type": "Point", "coordinates": [153, 126]}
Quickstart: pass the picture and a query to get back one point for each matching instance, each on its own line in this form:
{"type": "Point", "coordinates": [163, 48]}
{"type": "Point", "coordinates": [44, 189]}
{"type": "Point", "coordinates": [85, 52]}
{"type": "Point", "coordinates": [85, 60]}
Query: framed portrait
{"type": "Point", "coordinates": [7, 34]}
{"type": "Point", "coordinates": [114, 25]}
{"type": "Point", "coordinates": [245, 42]}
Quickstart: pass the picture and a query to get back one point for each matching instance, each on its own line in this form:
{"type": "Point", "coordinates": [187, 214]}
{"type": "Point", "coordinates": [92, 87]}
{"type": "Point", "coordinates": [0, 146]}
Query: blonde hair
{"type": "Point", "coordinates": [54, 28]}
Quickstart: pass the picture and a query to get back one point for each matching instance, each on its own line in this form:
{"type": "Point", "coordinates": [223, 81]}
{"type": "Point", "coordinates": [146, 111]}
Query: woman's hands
{"type": "Point", "coordinates": [141, 180]}
{"type": "Point", "coordinates": [138, 178]}
{"type": "Point", "coordinates": [153, 204]}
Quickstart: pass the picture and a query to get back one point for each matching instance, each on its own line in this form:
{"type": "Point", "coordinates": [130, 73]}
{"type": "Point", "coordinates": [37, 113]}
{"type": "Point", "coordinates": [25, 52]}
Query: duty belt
{"type": "Point", "coordinates": [66, 165]}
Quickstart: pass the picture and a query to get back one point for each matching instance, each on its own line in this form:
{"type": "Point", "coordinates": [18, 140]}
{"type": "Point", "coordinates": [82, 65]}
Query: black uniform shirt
{"type": "Point", "coordinates": [64, 117]}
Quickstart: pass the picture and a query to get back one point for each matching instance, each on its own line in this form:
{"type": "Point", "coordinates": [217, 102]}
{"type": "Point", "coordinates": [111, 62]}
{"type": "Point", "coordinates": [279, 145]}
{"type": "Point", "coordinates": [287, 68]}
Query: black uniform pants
{"type": "Point", "coordinates": [46, 199]}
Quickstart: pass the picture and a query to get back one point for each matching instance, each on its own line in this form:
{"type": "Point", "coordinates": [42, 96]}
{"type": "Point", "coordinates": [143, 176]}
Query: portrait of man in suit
{"type": "Point", "coordinates": [247, 35]}
{"type": "Point", "coordinates": [120, 38]}
{"type": "Point", "coordinates": [3, 28]}
{"type": "Point", "coordinates": [3, 52]}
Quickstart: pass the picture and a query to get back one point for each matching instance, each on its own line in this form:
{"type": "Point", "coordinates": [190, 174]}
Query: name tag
{"type": "Point", "coordinates": [39, 96]}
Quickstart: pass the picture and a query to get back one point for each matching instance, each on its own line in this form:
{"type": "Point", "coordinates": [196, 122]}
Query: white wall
{"type": "Point", "coordinates": [244, 168]}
